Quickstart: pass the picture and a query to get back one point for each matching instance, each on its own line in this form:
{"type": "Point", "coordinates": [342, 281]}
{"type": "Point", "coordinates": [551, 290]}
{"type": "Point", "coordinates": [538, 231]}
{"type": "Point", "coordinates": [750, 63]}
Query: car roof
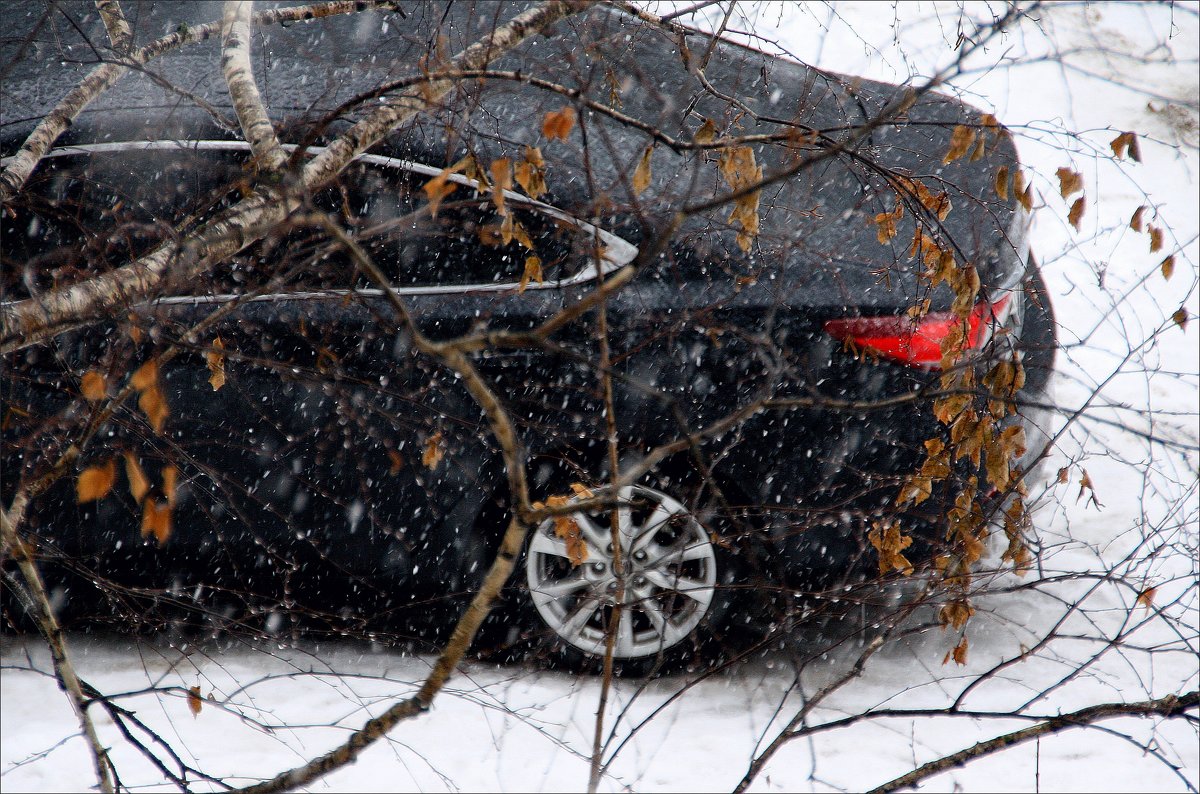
{"type": "Point", "coordinates": [817, 241]}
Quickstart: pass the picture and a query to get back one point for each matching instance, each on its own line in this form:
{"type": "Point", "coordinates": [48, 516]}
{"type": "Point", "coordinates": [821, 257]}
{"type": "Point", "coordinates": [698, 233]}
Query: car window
{"type": "Point", "coordinates": [91, 208]}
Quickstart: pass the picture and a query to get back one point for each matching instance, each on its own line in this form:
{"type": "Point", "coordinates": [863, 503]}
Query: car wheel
{"type": "Point", "coordinates": [675, 578]}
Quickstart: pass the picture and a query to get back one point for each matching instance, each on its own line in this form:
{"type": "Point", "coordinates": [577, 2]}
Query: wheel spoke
{"type": "Point", "coordinates": [662, 513]}
{"type": "Point", "coordinates": [596, 538]}
{"type": "Point", "coordinates": [624, 645]}
{"type": "Point", "coordinates": [700, 550]}
{"type": "Point", "coordinates": [654, 613]}
{"type": "Point", "coordinates": [692, 588]}
{"type": "Point", "coordinates": [562, 587]}
{"type": "Point", "coordinates": [578, 617]}
{"type": "Point", "coordinates": [548, 544]}
{"type": "Point", "coordinates": [625, 516]}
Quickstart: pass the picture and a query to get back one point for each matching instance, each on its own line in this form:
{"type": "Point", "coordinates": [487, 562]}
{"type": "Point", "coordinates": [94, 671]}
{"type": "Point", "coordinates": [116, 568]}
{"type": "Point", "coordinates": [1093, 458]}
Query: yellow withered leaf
{"type": "Point", "coordinates": [885, 226]}
{"type": "Point", "coordinates": [958, 654]}
{"type": "Point", "coordinates": [156, 520]}
{"type": "Point", "coordinates": [979, 151]}
{"type": "Point", "coordinates": [955, 614]}
{"type": "Point", "coordinates": [567, 528]}
{"type": "Point", "coordinates": [138, 484]}
{"type": "Point", "coordinates": [195, 702]}
{"type": "Point", "coordinates": [1023, 192]}
{"type": "Point", "coordinates": [434, 451]}
{"type": "Point", "coordinates": [529, 172]}
{"type": "Point", "coordinates": [1156, 239]}
{"type": "Point", "coordinates": [154, 405]}
{"type": "Point", "coordinates": [145, 376]}
{"type": "Point", "coordinates": [960, 142]}
{"type": "Point", "coordinates": [889, 543]}
{"type": "Point", "coordinates": [1168, 267]}
{"type": "Point", "coordinates": [706, 134]}
{"type": "Point", "coordinates": [492, 234]}
{"type": "Point", "coordinates": [93, 386]}
{"type": "Point", "coordinates": [558, 123]}
{"type": "Point", "coordinates": [501, 170]}
{"type": "Point", "coordinates": [582, 491]}
{"type": "Point", "coordinates": [641, 174]}
{"type": "Point", "coordinates": [437, 188]}
{"type": "Point", "coordinates": [521, 235]}
{"type": "Point", "coordinates": [532, 272]}
{"type": "Point", "coordinates": [1075, 216]}
{"type": "Point", "coordinates": [95, 482]}
{"type": "Point", "coordinates": [1001, 184]}
{"type": "Point", "coordinates": [1069, 182]}
{"type": "Point", "coordinates": [215, 359]}
{"type": "Point", "coordinates": [1135, 222]}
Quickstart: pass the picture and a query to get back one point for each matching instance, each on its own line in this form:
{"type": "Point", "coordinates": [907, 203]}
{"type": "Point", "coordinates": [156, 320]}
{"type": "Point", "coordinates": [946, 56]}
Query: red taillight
{"type": "Point", "coordinates": [917, 343]}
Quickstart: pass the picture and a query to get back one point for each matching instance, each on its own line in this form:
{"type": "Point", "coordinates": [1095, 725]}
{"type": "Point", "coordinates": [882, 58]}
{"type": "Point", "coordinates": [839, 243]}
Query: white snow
{"type": "Point", "coordinates": [514, 728]}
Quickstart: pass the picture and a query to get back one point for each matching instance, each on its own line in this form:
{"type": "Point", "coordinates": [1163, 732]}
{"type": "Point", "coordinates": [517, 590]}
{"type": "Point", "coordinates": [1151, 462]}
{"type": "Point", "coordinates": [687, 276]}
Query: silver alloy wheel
{"type": "Point", "coordinates": [668, 565]}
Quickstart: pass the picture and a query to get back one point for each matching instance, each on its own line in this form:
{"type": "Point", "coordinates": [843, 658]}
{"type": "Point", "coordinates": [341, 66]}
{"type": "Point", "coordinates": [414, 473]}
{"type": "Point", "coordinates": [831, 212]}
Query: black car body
{"type": "Point", "coordinates": [340, 474]}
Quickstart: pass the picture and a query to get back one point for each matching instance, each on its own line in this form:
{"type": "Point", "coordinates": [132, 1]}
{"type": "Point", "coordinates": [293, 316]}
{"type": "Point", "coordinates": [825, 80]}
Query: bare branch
{"type": "Point", "coordinates": [115, 23]}
{"type": "Point", "coordinates": [239, 76]}
{"type": "Point", "coordinates": [1169, 706]}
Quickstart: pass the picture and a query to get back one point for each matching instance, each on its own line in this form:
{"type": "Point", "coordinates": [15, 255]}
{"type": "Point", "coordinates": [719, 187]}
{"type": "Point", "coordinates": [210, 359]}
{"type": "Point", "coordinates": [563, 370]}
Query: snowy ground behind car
{"type": "Point", "coordinates": [1125, 363]}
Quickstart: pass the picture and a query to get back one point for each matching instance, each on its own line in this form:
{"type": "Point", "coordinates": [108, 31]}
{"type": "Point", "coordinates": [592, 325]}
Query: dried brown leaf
{"type": "Point", "coordinates": [397, 462]}
{"type": "Point", "coordinates": [195, 702]}
{"type": "Point", "coordinates": [1124, 143]}
{"type": "Point", "coordinates": [706, 134]}
{"type": "Point", "coordinates": [532, 272]}
{"type": "Point", "coordinates": [437, 188]}
{"type": "Point", "coordinates": [138, 484]}
{"type": "Point", "coordinates": [154, 405]}
{"type": "Point", "coordinates": [1156, 239]}
{"type": "Point", "coordinates": [434, 451]}
{"type": "Point", "coordinates": [93, 386]}
{"type": "Point", "coordinates": [215, 359]}
{"type": "Point", "coordinates": [955, 614]}
{"type": "Point", "coordinates": [1146, 598]}
{"type": "Point", "coordinates": [530, 173]}
{"type": "Point", "coordinates": [146, 376]}
{"type": "Point", "coordinates": [1069, 182]}
{"type": "Point", "coordinates": [1180, 316]}
{"type": "Point", "coordinates": [1075, 216]}
{"type": "Point", "coordinates": [1168, 267]}
{"type": "Point", "coordinates": [960, 143]}
{"type": "Point", "coordinates": [959, 653]}
{"type": "Point", "coordinates": [1135, 222]}
{"type": "Point", "coordinates": [889, 543]}
{"type": "Point", "coordinates": [641, 174]}
{"type": "Point", "coordinates": [95, 482]}
{"type": "Point", "coordinates": [156, 520]}
{"type": "Point", "coordinates": [558, 123]}
{"type": "Point", "coordinates": [885, 226]}
{"type": "Point", "coordinates": [1001, 183]}
{"type": "Point", "coordinates": [501, 171]}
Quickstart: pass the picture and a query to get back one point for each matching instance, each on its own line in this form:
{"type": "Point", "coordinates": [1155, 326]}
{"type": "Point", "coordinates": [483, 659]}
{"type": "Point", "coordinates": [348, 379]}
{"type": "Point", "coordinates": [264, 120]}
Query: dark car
{"type": "Point", "coordinates": [338, 478]}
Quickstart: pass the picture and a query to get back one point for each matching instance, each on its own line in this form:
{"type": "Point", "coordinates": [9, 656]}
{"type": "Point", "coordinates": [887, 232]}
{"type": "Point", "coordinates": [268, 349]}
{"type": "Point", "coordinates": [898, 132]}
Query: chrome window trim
{"type": "Point", "coordinates": [617, 252]}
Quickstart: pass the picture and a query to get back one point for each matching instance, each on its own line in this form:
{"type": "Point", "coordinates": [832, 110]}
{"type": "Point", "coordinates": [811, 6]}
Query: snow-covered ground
{"type": "Point", "coordinates": [514, 728]}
